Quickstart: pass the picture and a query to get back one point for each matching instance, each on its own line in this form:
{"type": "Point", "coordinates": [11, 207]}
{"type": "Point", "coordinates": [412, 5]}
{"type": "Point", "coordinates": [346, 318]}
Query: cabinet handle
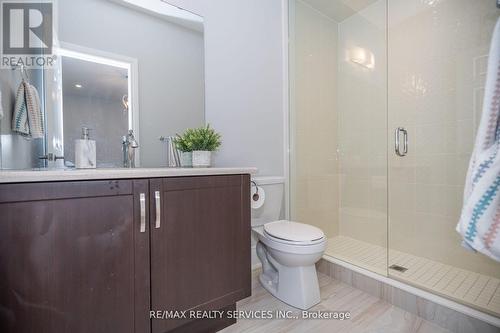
{"type": "Point", "coordinates": [158, 209]}
{"type": "Point", "coordinates": [142, 200]}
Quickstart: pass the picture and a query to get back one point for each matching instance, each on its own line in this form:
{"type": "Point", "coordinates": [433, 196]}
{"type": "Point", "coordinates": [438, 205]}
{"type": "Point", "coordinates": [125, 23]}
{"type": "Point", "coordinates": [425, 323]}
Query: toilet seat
{"type": "Point", "coordinates": [293, 233]}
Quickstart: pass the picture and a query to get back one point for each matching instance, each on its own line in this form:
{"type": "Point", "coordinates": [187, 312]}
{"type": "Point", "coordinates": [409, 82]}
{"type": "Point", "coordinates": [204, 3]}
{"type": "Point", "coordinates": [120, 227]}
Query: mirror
{"type": "Point", "coordinates": [119, 65]}
{"type": "Point", "coordinates": [98, 92]}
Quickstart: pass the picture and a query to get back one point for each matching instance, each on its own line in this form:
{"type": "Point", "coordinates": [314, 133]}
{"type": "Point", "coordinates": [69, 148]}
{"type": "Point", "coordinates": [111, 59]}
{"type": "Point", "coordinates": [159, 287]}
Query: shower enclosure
{"type": "Point", "coordinates": [385, 100]}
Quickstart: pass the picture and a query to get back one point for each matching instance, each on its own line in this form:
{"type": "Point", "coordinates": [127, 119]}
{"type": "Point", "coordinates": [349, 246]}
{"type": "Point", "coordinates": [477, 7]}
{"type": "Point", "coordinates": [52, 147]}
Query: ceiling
{"type": "Point", "coordinates": [163, 10]}
{"type": "Point", "coordinates": [339, 10]}
{"type": "Point", "coordinates": [97, 80]}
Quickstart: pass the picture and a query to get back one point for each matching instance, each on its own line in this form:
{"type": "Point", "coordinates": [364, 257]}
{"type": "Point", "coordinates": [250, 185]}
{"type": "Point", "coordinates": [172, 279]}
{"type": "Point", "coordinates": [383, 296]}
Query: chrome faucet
{"type": "Point", "coordinates": [129, 145]}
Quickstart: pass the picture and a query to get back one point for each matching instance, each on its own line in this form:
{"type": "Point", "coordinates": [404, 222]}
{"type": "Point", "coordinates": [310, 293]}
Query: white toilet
{"type": "Point", "coordinates": [288, 252]}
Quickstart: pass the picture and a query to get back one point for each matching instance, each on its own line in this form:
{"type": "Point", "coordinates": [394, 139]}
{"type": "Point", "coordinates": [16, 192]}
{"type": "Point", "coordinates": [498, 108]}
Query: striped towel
{"type": "Point", "coordinates": [27, 118]}
{"type": "Point", "coordinates": [35, 115]}
{"type": "Point", "coordinates": [20, 116]}
{"type": "Point", "coordinates": [479, 222]}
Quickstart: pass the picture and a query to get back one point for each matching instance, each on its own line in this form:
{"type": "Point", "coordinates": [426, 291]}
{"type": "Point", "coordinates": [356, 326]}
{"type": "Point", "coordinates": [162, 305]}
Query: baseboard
{"type": "Point", "coordinates": [448, 314]}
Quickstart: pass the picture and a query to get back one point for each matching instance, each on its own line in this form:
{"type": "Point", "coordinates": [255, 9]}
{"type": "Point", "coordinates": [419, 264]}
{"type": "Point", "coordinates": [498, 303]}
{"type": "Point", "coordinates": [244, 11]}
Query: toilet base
{"type": "Point", "coordinates": [297, 286]}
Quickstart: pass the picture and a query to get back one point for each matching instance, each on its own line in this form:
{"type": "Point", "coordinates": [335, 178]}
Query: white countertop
{"type": "Point", "coordinates": [39, 175]}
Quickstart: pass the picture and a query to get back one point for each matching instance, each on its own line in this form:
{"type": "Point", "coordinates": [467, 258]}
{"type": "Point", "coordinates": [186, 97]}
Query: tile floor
{"type": "Point", "coordinates": [369, 313]}
{"type": "Point", "coordinates": [476, 290]}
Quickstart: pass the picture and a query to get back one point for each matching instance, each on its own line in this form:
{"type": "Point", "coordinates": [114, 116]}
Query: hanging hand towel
{"type": "Point", "coordinates": [20, 115]}
{"type": "Point", "coordinates": [27, 119]}
{"type": "Point", "coordinates": [35, 116]}
{"type": "Point", "coordinates": [479, 222]}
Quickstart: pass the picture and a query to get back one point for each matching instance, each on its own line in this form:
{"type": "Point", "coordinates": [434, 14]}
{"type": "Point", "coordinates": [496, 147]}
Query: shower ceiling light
{"type": "Point", "coordinates": [431, 3]}
{"type": "Point", "coordinates": [361, 56]}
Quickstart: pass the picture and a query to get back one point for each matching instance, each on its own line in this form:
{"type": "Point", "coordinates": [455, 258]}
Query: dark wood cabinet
{"type": "Point", "coordinates": [91, 256]}
{"type": "Point", "coordinates": [200, 255]}
{"type": "Point", "coordinates": [69, 257]}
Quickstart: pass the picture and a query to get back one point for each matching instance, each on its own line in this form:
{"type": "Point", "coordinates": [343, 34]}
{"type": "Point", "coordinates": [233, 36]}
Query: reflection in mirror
{"type": "Point", "coordinates": [19, 151]}
{"type": "Point", "coordinates": [120, 65]}
{"type": "Point", "coordinates": [95, 94]}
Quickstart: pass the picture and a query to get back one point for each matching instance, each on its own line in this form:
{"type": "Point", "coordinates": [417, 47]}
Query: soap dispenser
{"type": "Point", "coordinates": [85, 151]}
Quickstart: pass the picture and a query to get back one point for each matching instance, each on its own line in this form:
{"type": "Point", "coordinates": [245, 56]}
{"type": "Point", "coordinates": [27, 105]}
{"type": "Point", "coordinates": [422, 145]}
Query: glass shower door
{"type": "Point", "coordinates": [338, 126]}
{"type": "Point", "coordinates": [362, 136]}
{"type": "Point", "coordinates": [437, 55]}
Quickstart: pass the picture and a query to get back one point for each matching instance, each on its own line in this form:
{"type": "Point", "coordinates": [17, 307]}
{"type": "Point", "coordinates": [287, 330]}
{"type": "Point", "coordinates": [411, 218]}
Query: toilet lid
{"type": "Point", "coordinates": [293, 231]}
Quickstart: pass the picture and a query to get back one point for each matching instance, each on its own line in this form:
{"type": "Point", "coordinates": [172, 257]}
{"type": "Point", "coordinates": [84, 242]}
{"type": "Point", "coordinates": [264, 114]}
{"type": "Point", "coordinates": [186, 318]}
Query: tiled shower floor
{"type": "Point", "coordinates": [476, 290]}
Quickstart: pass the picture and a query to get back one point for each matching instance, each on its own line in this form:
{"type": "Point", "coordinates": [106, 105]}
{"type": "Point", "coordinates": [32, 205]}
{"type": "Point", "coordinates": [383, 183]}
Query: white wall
{"type": "Point", "coordinates": [244, 79]}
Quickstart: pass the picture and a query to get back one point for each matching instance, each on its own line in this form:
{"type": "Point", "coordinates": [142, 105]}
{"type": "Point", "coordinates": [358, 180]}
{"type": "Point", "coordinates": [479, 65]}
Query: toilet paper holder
{"type": "Point", "coordinates": [256, 195]}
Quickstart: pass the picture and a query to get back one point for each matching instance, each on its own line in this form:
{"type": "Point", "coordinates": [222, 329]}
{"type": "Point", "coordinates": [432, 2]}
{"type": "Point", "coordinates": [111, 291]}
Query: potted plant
{"type": "Point", "coordinates": [185, 147]}
{"type": "Point", "coordinates": [201, 142]}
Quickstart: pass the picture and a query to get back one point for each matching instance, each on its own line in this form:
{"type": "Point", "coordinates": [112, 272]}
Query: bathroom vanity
{"type": "Point", "coordinates": [98, 250]}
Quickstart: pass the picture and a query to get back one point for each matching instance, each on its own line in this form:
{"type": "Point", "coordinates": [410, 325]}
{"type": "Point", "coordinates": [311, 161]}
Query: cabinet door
{"type": "Point", "coordinates": [200, 250]}
{"type": "Point", "coordinates": [72, 257]}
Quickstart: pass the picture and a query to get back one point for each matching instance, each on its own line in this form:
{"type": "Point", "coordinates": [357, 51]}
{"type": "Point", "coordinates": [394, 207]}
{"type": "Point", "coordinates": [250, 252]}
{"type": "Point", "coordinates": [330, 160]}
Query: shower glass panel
{"type": "Point", "coordinates": [437, 55]}
{"type": "Point", "coordinates": [385, 98]}
{"type": "Point", "coordinates": [338, 126]}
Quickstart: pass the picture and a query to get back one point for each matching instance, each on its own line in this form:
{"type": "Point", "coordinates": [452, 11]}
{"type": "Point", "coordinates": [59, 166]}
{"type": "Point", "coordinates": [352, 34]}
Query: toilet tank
{"type": "Point", "coordinates": [273, 207]}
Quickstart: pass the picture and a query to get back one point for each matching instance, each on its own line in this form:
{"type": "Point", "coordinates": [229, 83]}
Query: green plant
{"type": "Point", "coordinates": [183, 143]}
{"type": "Point", "coordinates": [203, 138]}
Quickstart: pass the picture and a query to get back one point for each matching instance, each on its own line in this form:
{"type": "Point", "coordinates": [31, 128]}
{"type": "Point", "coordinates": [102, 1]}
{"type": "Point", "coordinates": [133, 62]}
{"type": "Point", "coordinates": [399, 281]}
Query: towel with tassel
{"type": "Point", "coordinates": [20, 115]}
{"type": "Point", "coordinates": [35, 115]}
{"type": "Point", "coordinates": [479, 222]}
{"type": "Point", "coordinates": [27, 118]}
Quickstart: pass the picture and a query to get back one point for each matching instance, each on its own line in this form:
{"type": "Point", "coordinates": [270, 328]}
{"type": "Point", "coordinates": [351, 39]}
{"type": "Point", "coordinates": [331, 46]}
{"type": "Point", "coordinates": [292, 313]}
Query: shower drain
{"type": "Point", "coordinates": [398, 268]}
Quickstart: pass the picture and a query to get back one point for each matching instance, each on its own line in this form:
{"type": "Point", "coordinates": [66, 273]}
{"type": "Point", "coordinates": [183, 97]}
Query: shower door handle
{"type": "Point", "coordinates": [397, 135]}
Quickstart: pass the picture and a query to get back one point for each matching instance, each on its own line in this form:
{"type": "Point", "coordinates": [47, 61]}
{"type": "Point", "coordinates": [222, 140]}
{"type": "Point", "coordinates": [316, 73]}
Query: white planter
{"type": "Point", "coordinates": [202, 159]}
{"type": "Point", "coordinates": [186, 159]}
